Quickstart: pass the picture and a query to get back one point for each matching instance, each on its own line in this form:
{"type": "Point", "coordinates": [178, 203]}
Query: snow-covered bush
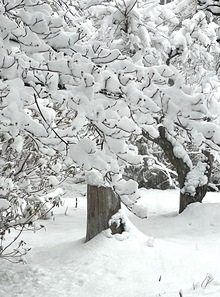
{"type": "Point", "coordinates": [20, 214]}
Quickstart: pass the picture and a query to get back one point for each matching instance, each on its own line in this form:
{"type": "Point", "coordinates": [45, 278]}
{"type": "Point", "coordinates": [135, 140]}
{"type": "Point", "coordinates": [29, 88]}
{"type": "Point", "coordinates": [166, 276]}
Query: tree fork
{"type": "Point", "coordinates": [183, 169]}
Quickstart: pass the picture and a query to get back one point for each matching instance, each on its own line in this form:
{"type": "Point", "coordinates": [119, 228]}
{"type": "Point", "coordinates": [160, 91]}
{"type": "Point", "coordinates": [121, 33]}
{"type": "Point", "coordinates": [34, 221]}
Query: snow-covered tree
{"type": "Point", "coordinates": [193, 51]}
{"type": "Point", "coordinates": [73, 98]}
{"type": "Point", "coordinates": [59, 110]}
{"type": "Point", "coordinates": [167, 85]}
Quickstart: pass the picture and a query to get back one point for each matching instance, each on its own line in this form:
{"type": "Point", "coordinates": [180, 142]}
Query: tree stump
{"type": "Point", "coordinates": [102, 204]}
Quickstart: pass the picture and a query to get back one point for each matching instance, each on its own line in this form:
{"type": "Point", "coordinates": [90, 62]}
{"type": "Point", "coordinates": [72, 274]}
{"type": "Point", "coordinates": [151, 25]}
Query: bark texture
{"type": "Point", "coordinates": [102, 204]}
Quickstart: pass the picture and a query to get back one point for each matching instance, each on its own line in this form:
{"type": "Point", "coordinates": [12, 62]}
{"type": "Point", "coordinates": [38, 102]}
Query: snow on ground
{"type": "Point", "coordinates": [176, 257]}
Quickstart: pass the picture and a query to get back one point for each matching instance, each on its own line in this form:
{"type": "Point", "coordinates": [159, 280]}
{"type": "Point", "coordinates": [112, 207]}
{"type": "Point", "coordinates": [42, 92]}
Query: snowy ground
{"type": "Point", "coordinates": [174, 258]}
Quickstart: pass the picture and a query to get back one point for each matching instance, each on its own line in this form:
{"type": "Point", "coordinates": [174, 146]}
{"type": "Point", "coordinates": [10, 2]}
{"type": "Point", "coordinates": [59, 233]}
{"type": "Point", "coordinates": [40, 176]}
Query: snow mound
{"type": "Point", "coordinates": [202, 215]}
{"type": "Point", "coordinates": [181, 254]}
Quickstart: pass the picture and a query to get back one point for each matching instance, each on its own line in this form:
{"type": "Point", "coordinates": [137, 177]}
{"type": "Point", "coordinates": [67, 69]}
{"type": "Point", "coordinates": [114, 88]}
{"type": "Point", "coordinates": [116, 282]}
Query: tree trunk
{"type": "Point", "coordinates": [102, 204]}
{"type": "Point", "coordinates": [182, 168]}
{"type": "Point", "coordinates": [185, 199]}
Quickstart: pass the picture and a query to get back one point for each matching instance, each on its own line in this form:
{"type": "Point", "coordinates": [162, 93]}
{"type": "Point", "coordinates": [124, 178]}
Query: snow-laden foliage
{"type": "Point", "coordinates": [169, 77]}
{"type": "Point", "coordinates": [61, 108]}
{"type": "Point", "coordinates": [78, 80]}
